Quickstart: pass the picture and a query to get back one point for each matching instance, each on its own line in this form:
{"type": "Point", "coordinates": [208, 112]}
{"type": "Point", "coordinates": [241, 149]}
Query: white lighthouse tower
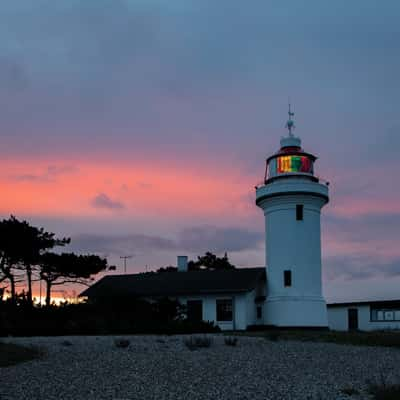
{"type": "Point", "coordinates": [292, 198]}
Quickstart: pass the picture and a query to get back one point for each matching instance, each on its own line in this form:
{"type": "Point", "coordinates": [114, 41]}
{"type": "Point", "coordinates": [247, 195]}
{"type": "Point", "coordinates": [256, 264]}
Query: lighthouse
{"type": "Point", "coordinates": [292, 198]}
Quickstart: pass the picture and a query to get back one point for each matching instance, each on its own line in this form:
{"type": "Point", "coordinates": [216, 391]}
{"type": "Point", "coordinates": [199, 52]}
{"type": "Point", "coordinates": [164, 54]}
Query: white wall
{"type": "Point", "coordinates": [338, 319]}
{"type": "Point", "coordinates": [244, 309]}
{"type": "Point", "coordinates": [240, 308]}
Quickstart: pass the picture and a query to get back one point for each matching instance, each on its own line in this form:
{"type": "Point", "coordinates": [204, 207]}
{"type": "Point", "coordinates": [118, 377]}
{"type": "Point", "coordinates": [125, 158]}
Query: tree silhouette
{"type": "Point", "coordinates": [10, 253]}
{"type": "Point", "coordinates": [57, 269]}
{"type": "Point", "coordinates": [211, 262]}
{"type": "Point", "coordinates": [168, 268]}
{"type": "Point", "coordinates": [21, 245]}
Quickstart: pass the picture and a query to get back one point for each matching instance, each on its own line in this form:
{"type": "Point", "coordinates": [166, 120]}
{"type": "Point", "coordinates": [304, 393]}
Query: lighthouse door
{"type": "Point", "coordinates": [353, 318]}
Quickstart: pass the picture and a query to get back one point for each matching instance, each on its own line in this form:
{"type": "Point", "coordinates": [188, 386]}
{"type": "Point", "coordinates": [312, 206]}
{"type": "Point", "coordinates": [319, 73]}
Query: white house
{"type": "Point", "coordinates": [232, 299]}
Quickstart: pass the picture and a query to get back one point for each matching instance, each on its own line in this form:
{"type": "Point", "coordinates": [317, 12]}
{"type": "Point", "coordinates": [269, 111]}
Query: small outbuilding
{"type": "Point", "coordinates": [364, 315]}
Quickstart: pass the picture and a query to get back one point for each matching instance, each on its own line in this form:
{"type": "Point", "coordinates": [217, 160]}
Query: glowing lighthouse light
{"type": "Point", "coordinates": [292, 198]}
{"type": "Point", "coordinates": [287, 164]}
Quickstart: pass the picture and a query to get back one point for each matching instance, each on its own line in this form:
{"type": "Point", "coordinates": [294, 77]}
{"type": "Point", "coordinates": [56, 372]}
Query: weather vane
{"type": "Point", "coordinates": [290, 123]}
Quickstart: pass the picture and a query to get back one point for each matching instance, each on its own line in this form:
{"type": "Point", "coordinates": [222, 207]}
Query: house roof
{"type": "Point", "coordinates": [177, 283]}
{"type": "Point", "coordinates": [395, 303]}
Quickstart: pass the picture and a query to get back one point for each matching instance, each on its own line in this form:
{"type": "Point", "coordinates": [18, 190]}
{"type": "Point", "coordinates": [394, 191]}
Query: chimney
{"type": "Point", "coordinates": [182, 263]}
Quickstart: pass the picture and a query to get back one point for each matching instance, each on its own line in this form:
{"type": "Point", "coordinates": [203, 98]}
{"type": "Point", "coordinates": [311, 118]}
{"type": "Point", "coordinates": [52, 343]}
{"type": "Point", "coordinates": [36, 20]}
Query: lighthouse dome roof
{"type": "Point", "coordinates": [290, 141]}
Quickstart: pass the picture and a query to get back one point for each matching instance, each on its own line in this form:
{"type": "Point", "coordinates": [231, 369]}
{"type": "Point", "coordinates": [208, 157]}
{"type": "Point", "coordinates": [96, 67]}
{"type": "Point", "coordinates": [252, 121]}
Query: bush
{"type": "Point", "coordinates": [382, 389]}
{"type": "Point", "coordinates": [130, 317]}
{"type": "Point", "coordinates": [231, 341]}
{"type": "Point", "coordinates": [122, 343]}
{"type": "Point", "coordinates": [349, 391]}
{"type": "Point", "coordinates": [385, 392]}
{"type": "Point", "coordinates": [273, 336]}
{"type": "Point", "coordinates": [194, 343]}
{"type": "Point", "coordinates": [260, 328]}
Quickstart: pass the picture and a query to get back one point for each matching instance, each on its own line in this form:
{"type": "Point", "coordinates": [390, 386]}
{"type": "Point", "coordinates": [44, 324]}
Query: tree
{"type": "Point", "coordinates": [35, 242]}
{"type": "Point", "coordinates": [58, 269]}
{"type": "Point", "coordinates": [21, 245]}
{"type": "Point", "coordinates": [208, 262]}
{"type": "Point", "coordinates": [10, 253]}
{"type": "Point", "coordinates": [211, 262]}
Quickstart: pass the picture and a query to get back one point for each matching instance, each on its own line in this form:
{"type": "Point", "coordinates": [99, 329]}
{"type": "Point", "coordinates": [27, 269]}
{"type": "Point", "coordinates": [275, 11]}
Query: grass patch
{"type": "Point", "coordinates": [376, 338]}
{"type": "Point", "coordinates": [11, 354]}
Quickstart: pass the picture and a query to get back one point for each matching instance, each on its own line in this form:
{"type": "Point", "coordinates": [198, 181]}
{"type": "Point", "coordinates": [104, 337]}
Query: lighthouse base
{"type": "Point", "coordinates": [299, 311]}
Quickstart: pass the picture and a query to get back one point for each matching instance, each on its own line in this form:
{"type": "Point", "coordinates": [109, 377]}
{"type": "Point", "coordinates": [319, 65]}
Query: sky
{"type": "Point", "coordinates": [141, 127]}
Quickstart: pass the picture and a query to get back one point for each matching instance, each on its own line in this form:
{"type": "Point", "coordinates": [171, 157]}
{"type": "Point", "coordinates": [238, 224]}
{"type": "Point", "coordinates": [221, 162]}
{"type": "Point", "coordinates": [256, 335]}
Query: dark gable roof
{"type": "Point", "coordinates": [177, 283]}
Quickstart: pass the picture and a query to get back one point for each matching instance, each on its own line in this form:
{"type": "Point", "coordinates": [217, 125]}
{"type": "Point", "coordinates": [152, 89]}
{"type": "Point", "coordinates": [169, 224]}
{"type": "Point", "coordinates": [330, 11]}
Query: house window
{"type": "Point", "coordinates": [224, 309]}
{"type": "Point", "coordinates": [259, 312]}
{"type": "Point", "coordinates": [287, 278]}
{"type": "Point", "coordinates": [194, 310]}
{"type": "Point", "coordinates": [299, 212]}
{"type": "Point", "coordinates": [380, 315]}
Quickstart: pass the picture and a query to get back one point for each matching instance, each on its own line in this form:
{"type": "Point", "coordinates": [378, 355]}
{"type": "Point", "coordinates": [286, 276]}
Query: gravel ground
{"type": "Point", "coordinates": [162, 367]}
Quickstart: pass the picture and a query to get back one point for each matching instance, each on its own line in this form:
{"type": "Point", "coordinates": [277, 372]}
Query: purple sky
{"type": "Point", "coordinates": [141, 127]}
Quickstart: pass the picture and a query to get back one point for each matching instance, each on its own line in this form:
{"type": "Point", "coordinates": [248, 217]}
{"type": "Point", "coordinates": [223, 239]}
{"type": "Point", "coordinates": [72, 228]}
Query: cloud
{"type": "Point", "coordinates": [211, 238]}
{"type": "Point", "coordinates": [196, 239]}
{"type": "Point", "coordinates": [49, 175]}
{"type": "Point", "coordinates": [104, 201]}
{"type": "Point", "coordinates": [362, 247]}
{"type": "Point", "coordinates": [120, 244]}
{"type": "Point", "coordinates": [357, 267]}
{"type": "Point", "coordinates": [30, 178]}
{"type": "Point", "coordinates": [56, 170]}
{"type": "Point", "coordinates": [144, 185]}
{"type": "Point", "coordinates": [370, 227]}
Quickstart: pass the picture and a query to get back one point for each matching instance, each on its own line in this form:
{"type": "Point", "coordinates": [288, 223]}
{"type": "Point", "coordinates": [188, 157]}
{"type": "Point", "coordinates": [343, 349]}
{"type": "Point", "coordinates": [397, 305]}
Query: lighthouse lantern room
{"type": "Point", "coordinates": [292, 198]}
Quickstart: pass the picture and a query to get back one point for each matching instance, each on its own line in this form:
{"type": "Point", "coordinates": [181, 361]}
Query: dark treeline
{"type": "Point", "coordinates": [107, 316]}
{"type": "Point", "coordinates": [26, 255]}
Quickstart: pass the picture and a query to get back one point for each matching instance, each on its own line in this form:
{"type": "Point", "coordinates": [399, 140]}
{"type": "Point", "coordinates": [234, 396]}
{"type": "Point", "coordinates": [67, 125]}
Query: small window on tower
{"type": "Point", "coordinates": [287, 278]}
{"type": "Point", "coordinates": [259, 312]}
{"type": "Point", "coordinates": [299, 212]}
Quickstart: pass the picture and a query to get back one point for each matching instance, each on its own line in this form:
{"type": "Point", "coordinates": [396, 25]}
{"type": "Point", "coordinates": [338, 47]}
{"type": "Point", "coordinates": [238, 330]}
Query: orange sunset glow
{"type": "Point", "coordinates": [136, 188]}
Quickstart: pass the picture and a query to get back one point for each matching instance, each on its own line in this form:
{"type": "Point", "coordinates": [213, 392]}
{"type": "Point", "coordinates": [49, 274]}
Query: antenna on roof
{"type": "Point", "coordinates": [125, 258]}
